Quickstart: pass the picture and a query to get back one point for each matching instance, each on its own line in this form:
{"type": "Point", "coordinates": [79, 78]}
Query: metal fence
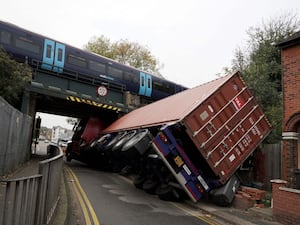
{"type": "Point", "coordinates": [15, 133]}
{"type": "Point", "coordinates": [32, 200]}
{"type": "Point", "coordinates": [19, 200]}
{"type": "Point", "coordinates": [51, 170]}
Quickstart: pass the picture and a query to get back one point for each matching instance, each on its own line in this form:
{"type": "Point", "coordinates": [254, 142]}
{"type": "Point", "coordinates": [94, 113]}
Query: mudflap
{"type": "Point", "coordinates": [224, 195]}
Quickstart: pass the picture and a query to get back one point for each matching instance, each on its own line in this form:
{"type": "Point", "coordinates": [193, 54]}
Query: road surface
{"type": "Point", "coordinates": [111, 199]}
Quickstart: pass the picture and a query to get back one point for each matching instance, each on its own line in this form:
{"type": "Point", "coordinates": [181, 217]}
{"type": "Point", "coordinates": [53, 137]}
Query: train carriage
{"type": "Point", "coordinates": [73, 63]}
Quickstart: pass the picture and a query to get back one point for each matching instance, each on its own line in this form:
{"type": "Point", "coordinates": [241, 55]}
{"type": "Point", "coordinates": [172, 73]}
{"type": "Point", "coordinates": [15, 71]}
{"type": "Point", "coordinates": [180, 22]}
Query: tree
{"type": "Point", "coordinates": [126, 52]}
{"type": "Point", "coordinates": [101, 46]}
{"type": "Point", "coordinates": [14, 77]}
{"type": "Point", "coordinates": [261, 65]}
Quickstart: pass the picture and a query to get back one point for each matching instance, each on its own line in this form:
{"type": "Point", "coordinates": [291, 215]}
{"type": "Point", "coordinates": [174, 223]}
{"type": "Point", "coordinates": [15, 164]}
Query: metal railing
{"type": "Point", "coordinates": [32, 200]}
{"type": "Point", "coordinates": [79, 77]}
{"type": "Point", "coordinates": [19, 200]}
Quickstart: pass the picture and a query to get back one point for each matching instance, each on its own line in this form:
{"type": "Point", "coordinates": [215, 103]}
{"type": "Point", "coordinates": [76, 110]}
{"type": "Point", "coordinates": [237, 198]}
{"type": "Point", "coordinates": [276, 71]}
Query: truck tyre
{"type": "Point", "coordinates": [137, 145]}
{"type": "Point", "coordinates": [168, 193]}
{"type": "Point", "coordinates": [68, 157]}
{"type": "Point", "coordinates": [115, 140]}
{"type": "Point", "coordinates": [138, 181]}
{"type": "Point", "coordinates": [68, 153]}
{"type": "Point", "coordinates": [150, 186]}
{"type": "Point", "coordinates": [123, 140]}
{"type": "Point", "coordinates": [100, 141]}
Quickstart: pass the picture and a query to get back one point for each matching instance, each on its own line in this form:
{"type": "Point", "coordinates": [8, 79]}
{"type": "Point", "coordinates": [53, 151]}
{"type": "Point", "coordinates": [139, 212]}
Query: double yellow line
{"type": "Point", "coordinates": [87, 209]}
{"type": "Point", "coordinates": [89, 213]}
{"type": "Point", "coordinates": [195, 214]}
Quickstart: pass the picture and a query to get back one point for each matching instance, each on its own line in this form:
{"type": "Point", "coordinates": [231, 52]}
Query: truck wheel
{"type": "Point", "coordinates": [68, 153]}
{"type": "Point", "coordinates": [68, 157]}
{"type": "Point", "coordinates": [123, 140]}
{"type": "Point", "coordinates": [100, 141]}
{"type": "Point", "coordinates": [116, 167]}
{"type": "Point", "coordinates": [168, 193]}
{"type": "Point", "coordinates": [138, 181]}
{"type": "Point", "coordinates": [115, 140]}
{"type": "Point", "coordinates": [150, 186]}
{"type": "Point", "coordinates": [140, 143]}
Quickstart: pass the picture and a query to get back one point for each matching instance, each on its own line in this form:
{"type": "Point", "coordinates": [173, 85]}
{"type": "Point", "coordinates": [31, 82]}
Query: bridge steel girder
{"type": "Point", "coordinates": [70, 92]}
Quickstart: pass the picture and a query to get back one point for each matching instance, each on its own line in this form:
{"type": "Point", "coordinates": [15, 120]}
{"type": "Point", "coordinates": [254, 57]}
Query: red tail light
{"type": "Point", "coordinates": [200, 189]}
{"type": "Point", "coordinates": [163, 137]}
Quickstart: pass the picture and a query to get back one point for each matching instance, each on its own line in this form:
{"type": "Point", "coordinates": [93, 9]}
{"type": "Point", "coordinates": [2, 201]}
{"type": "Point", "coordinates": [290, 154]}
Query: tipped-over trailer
{"type": "Point", "coordinates": [195, 140]}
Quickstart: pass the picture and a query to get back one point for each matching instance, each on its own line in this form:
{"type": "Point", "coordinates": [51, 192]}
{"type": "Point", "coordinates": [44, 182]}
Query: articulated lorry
{"type": "Point", "coordinates": [191, 143]}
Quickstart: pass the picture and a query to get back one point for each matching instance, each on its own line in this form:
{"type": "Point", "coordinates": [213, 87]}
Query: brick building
{"type": "Point", "coordinates": [290, 60]}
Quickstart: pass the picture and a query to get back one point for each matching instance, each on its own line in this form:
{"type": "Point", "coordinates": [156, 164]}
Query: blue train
{"type": "Point", "coordinates": [73, 63]}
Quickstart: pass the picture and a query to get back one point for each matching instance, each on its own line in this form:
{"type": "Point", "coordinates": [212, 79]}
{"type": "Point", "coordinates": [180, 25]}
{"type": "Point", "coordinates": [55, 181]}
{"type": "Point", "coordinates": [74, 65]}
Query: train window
{"type": "Point", "coordinates": [114, 72]}
{"type": "Point", "coordinates": [60, 55]}
{"type": "Point", "coordinates": [143, 81]}
{"type": "Point", "coordinates": [5, 37]}
{"type": "Point", "coordinates": [164, 87]}
{"type": "Point", "coordinates": [48, 51]}
{"type": "Point", "coordinates": [77, 61]}
{"type": "Point", "coordinates": [96, 66]}
{"type": "Point", "coordinates": [27, 45]}
{"type": "Point", "coordinates": [136, 79]}
{"type": "Point", "coordinates": [131, 77]}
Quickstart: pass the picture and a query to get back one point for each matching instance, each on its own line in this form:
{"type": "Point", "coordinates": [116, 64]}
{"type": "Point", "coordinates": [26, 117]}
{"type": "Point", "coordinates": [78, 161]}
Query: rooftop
{"type": "Point", "coordinates": [290, 41]}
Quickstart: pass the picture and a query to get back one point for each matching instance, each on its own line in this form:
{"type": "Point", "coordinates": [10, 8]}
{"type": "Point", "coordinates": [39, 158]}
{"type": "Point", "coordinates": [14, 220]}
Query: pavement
{"type": "Point", "coordinates": [226, 215]}
{"type": "Point", "coordinates": [234, 216]}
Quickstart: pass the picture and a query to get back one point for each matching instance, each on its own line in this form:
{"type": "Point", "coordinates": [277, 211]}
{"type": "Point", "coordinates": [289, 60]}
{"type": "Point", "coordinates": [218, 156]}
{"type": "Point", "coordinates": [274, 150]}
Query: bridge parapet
{"type": "Point", "coordinates": [111, 97]}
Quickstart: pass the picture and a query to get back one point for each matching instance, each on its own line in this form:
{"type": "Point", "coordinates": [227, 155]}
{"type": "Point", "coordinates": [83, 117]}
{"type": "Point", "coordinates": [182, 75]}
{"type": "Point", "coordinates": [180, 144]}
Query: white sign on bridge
{"type": "Point", "coordinates": [102, 91]}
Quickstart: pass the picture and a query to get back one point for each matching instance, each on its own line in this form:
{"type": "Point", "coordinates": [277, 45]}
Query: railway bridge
{"type": "Point", "coordinates": [72, 94]}
{"type": "Point", "coordinates": [72, 82]}
{"type": "Point", "coordinates": [69, 81]}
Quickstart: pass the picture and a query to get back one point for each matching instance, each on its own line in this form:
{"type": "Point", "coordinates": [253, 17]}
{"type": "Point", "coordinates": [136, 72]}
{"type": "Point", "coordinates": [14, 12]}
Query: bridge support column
{"type": "Point", "coordinates": [25, 102]}
{"type": "Point", "coordinates": [28, 104]}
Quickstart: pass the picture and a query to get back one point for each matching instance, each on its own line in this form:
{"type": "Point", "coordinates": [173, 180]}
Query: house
{"type": "Point", "coordinates": [285, 191]}
{"type": "Point", "coordinates": [290, 60]}
{"type": "Point", "coordinates": [60, 133]}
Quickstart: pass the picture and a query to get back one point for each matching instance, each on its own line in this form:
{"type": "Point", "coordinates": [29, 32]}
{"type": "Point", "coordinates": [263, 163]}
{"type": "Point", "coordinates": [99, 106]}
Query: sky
{"type": "Point", "coordinates": [193, 39]}
{"type": "Point", "coordinates": [50, 120]}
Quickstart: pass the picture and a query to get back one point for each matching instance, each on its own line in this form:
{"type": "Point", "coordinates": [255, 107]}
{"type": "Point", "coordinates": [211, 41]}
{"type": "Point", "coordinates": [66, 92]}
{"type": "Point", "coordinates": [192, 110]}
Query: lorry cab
{"type": "Point", "coordinates": [86, 131]}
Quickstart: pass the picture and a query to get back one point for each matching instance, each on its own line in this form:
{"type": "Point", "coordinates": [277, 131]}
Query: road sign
{"type": "Point", "coordinates": [102, 90]}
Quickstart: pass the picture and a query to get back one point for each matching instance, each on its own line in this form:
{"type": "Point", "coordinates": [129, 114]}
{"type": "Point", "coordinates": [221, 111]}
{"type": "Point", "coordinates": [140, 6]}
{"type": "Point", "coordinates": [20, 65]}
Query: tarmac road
{"type": "Point", "coordinates": [90, 196]}
{"type": "Point", "coordinates": [111, 199]}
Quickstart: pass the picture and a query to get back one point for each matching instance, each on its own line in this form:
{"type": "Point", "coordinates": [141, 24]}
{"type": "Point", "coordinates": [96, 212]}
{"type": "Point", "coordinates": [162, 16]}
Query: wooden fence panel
{"type": "Point", "coordinates": [273, 163]}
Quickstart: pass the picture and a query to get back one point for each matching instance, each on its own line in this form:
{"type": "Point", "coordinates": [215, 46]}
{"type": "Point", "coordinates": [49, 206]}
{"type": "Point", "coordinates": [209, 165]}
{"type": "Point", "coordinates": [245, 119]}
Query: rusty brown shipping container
{"type": "Point", "coordinates": [221, 117]}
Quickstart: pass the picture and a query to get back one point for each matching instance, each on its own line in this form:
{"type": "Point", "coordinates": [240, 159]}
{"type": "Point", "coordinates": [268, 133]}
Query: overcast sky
{"type": "Point", "coordinates": [193, 39]}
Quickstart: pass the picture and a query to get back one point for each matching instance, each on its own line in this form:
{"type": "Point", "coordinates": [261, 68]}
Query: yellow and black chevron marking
{"type": "Point", "coordinates": [90, 102]}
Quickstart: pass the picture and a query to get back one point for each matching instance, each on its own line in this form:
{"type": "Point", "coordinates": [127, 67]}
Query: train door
{"type": "Point", "coordinates": [145, 84]}
{"type": "Point", "coordinates": [59, 58]}
{"type": "Point", "coordinates": [53, 56]}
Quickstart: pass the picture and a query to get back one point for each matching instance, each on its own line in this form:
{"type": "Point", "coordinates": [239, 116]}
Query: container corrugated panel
{"type": "Point", "coordinates": [227, 127]}
{"type": "Point", "coordinates": [168, 110]}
